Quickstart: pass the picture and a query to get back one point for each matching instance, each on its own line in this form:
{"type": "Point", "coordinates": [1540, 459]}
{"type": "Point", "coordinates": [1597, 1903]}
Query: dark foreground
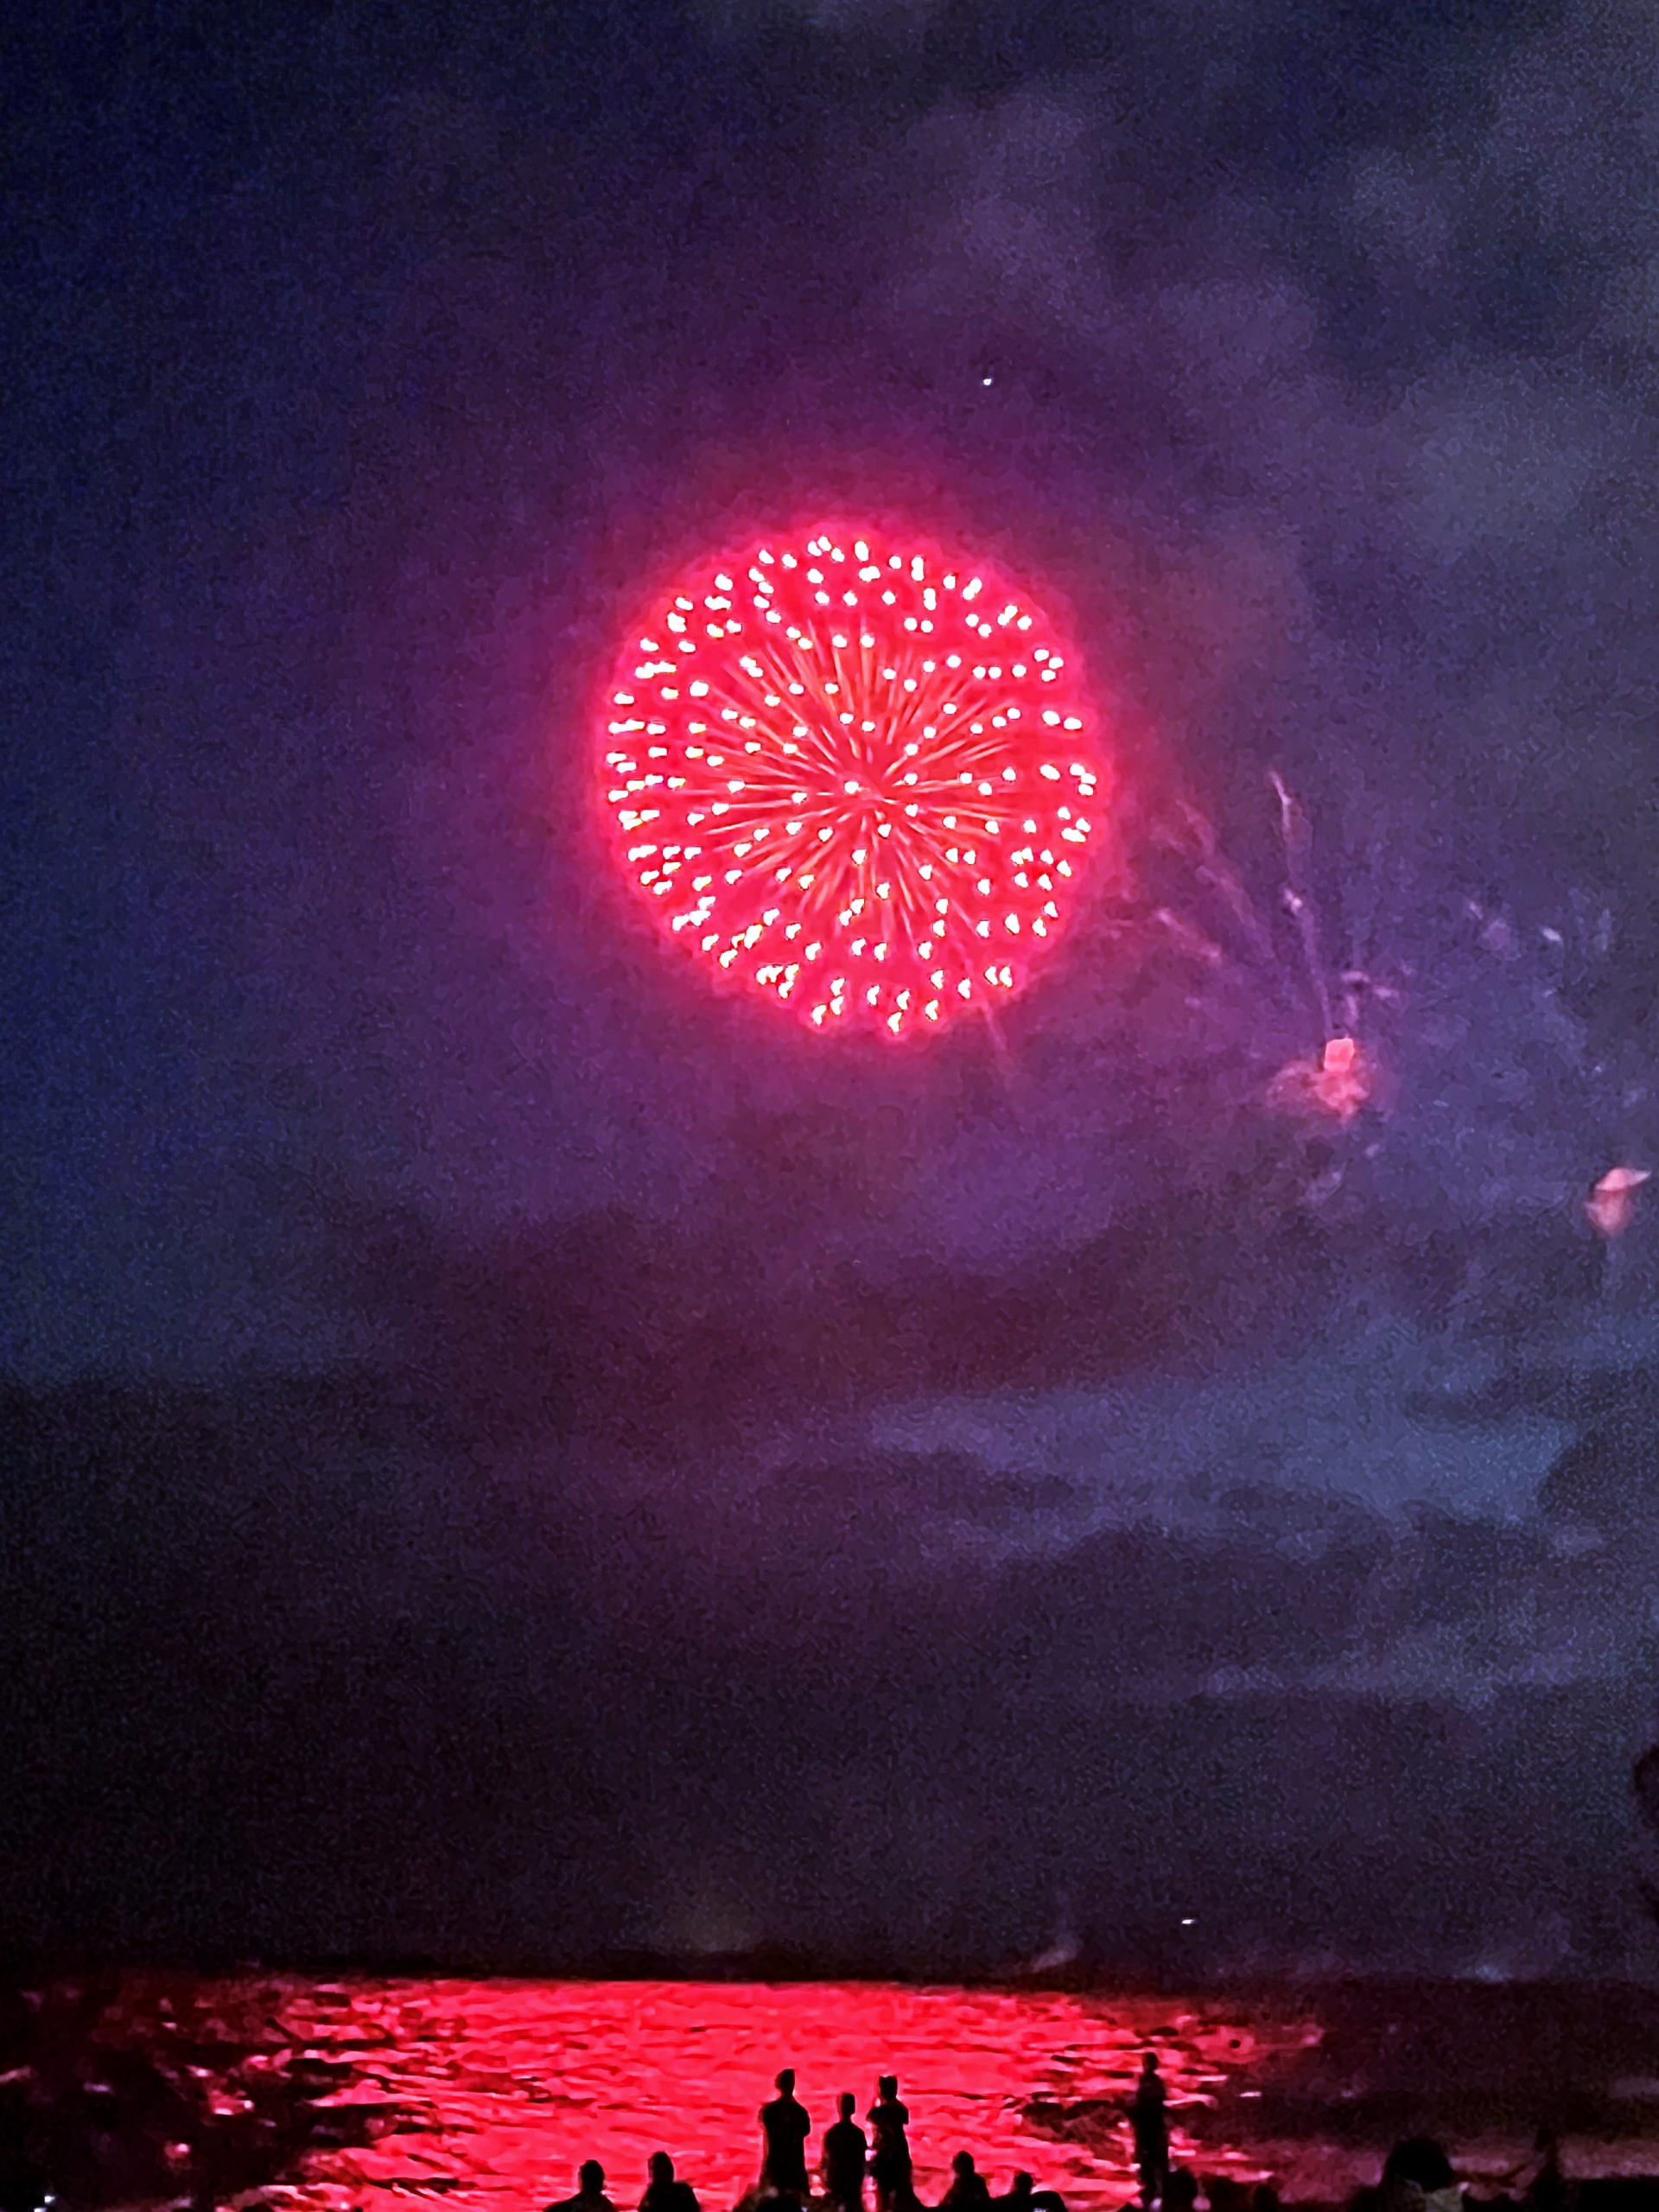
{"type": "Point", "coordinates": [284, 2090]}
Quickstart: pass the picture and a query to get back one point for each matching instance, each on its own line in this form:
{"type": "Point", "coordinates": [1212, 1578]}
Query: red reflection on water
{"type": "Point", "coordinates": [507, 2086]}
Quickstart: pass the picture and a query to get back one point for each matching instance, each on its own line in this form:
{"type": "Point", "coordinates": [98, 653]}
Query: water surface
{"type": "Point", "coordinates": [503, 2087]}
{"type": "Point", "coordinates": [491, 2093]}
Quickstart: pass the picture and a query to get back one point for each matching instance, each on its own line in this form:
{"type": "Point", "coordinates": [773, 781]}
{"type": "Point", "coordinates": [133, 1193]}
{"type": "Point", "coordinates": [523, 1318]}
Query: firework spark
{"type": "Point", "coordinates": [857, 779]}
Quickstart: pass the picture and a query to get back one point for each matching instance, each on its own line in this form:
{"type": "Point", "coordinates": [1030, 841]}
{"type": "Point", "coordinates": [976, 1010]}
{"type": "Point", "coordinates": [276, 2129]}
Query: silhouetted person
{"type": "Point", "coordinates": [664, 2194]}
{"type": "Point", "coordinates": [590, 2194]}
{"type": "Point", "coordinates": [1227, 2195]}
{"type": "Point", "coordinates": [786, 2127]}
{"type": "Point", "coordinates": [1023, 2197]}
{"type": "Point", "coordinates": [968, 2191]}
{"type": "Point", "coordinates": [1151, 2131]}
{"type": "Point", "coordinates": [845, 2149]}
{"type": "Point", "coordinates": [1546, 2191]}
{"type": "Point", "coordinates": [890, 2167]}
{"type": "Point", "coordinates": [1181, 2190]}
{"type": "Point", "coordinates": [1417, 2172]}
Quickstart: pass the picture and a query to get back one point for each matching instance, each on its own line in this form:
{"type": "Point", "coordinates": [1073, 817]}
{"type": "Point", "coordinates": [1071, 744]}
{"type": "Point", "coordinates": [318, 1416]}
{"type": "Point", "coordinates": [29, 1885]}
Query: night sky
{"type": "Point", "coordinates": [511, 1453]}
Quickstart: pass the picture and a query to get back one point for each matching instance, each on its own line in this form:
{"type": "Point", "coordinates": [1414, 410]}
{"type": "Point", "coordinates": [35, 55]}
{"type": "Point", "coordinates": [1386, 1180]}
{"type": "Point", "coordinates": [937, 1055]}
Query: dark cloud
{"type": "Point", "coordinates": [1607, 1478]}
{"type": "Point", "coordinates": [302, 1669]}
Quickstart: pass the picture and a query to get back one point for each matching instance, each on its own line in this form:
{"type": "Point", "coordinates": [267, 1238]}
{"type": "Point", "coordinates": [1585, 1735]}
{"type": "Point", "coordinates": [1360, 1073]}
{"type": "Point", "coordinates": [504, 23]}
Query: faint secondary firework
{"type": "Point", "coordinates": [857, 779]}
{"type": "Point", "coordinates": [1525, 1042]}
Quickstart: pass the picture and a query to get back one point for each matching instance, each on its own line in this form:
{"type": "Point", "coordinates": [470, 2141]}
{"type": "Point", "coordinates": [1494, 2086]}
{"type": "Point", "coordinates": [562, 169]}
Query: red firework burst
{"type": "Point", "coordinates": [855, 779]}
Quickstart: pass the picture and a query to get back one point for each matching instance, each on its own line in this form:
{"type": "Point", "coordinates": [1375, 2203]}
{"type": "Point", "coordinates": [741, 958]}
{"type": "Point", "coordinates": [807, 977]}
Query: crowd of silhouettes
{"type": "Point", "coordinates": [1417, 2176]}
{"type": "Point", "coordinates": [847, 2163]}
{"type": "Point", "coordinates": [851, 2162]}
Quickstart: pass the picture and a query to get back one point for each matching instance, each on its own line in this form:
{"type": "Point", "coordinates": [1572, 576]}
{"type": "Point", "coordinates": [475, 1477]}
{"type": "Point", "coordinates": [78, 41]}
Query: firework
{"type": "Point", "coordinates": [1310, 1039]}
{"type": "Point", "coordinates": [858, 779]}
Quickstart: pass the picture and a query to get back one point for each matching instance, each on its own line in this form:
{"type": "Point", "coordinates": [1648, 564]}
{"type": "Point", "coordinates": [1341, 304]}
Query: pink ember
{"type": "Point", "coordinates": [1611, 1204]}
{"type": "Point", "coordinates": [1334, 1087]}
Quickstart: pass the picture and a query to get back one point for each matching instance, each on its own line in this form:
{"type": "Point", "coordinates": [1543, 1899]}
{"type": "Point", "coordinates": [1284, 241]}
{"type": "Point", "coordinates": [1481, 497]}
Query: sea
{"type": "Point", "coordinates": [489, 2093]}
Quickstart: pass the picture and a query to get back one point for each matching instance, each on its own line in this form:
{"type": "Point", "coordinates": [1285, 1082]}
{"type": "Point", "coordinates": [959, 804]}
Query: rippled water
{"type": "Point", "coordinates": [503, 2087]}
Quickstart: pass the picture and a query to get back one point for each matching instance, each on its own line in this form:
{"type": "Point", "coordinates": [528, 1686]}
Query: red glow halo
{"type": "Point", "coordinates": [855, 775]}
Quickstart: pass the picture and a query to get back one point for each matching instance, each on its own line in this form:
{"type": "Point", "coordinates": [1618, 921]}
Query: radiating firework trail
{"type": "Point", "coordinates": [1341, 1076]}
{"type": "Point", "coordinates": [857, 779]}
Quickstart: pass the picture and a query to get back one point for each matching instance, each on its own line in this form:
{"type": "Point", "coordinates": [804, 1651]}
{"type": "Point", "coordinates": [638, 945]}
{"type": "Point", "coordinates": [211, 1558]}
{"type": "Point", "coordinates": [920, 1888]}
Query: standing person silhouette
{"type": "Point", "coordinates": [845, 2150]}
{"type": "Point", "coordinates": [890, 2166]}
{"type": "Point", "coordinates": [784, 2123]}
{"type": "Point", "coordinates": [1151, 2132]}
